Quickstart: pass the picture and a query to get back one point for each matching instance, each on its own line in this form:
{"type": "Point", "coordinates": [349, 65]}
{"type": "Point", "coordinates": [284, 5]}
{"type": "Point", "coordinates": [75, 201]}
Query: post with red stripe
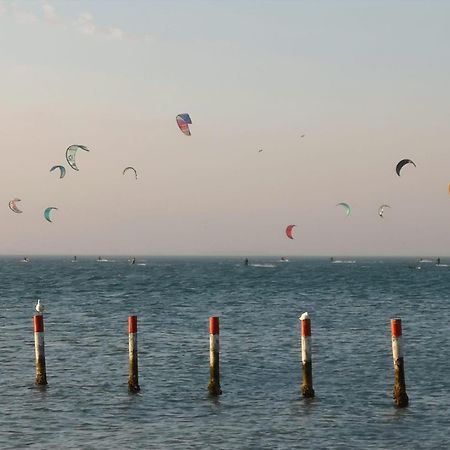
{"type": "Point", "coordinates": [305, 331]}
{"type": "Point", "coordinates": [133, 380]}
{"type": "Point", "coordinates": [214, 371]}
{"type": "Point", "coordinates": [399, 394]}
{"type": "Point", "coordinates": [39, 350]}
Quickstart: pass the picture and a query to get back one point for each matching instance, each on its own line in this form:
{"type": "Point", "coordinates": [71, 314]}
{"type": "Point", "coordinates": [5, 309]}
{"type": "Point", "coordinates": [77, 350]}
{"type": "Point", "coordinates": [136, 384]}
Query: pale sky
{"type": "Point", "coordinates": [367, 82]}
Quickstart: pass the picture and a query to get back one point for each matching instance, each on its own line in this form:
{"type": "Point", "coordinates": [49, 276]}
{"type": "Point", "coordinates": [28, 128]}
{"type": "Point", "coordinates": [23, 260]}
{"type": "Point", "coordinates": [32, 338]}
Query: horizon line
{"type": "Point", "coordinates": [206, 255]}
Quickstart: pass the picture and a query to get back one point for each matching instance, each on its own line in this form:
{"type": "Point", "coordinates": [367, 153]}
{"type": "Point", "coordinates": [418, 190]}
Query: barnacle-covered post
{"type": "Point", "coordinates": [39, 350]}
{"type": "Point", "coordinates": [133, 380]}
{"type": "Point", "coordinates": [214, 371]}
{"type": "Point", "coordinates": [399, 394]}
{"type": "Point", "coordinates": [305, 332]}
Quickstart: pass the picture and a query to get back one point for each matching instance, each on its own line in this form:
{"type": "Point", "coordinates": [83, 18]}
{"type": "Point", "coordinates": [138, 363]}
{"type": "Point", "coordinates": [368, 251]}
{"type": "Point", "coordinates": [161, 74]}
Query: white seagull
{"type": "Point", "coordinates": [39, 306]}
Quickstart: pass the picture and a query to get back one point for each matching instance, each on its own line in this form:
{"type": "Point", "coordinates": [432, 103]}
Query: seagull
{"type": "Point", "coordinates": [39, 306]}
{"type": "Point", "coordinates": [302, 136]}
{"type": "Point", "coordinates": [260, 150]}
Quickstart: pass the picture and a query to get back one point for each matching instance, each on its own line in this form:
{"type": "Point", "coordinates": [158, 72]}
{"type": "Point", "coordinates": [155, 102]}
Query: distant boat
{"type": "Point", "coordinates": [284, 259]}
{"type": "Point", "coordinates": [25, 260]}
{"type": "Point", "coordinates": [100, 259]}
{"type": "Point", "coordinates": [74, 259]}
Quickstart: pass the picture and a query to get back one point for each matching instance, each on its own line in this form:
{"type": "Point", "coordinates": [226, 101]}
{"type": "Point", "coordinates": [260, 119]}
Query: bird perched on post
{"type": "Point", "coordinates": [39, 306]}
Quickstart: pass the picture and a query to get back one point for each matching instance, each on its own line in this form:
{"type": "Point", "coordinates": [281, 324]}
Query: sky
{"type": "Point", "coordinates": [366, 82]}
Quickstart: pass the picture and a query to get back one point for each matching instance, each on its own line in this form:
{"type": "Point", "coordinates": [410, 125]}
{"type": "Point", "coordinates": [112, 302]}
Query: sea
{"type": "Point", "coordinates": [350, 301]}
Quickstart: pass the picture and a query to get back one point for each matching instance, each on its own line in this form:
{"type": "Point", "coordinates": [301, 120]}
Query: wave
{"type": "Point", "coordinates": [263, 265]}
{"type": "Point", "coordinates": [344, 262]}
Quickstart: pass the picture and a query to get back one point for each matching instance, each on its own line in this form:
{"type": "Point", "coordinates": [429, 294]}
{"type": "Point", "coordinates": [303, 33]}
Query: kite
{"type": "Point", "coordinates": [289, 230]}
{"type": "Point", "coordinates": [13, 207]}
{"type": "Point", "coordinates": [47, 213]}
{"type": "Point", "coordinates": [62, 170]}
{"type": "Point", "coordinates": [346, 206]}
{"type": "Point", "coordinates": [381, 210]}
{"type": "Point", "coordinates": [130, 168]}
{"type": "Point", "coordinates": [183, 121]}
{"type": "Point", "coordinates": [71, 152]}
{"type": "Point", "coordinates": [402, 163]}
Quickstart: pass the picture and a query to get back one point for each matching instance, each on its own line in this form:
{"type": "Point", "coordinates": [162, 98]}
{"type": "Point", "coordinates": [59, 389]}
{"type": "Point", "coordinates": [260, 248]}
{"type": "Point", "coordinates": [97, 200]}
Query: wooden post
{"type": "Point", "coordinates": [214, 371]}
{"type": "Point", "coordinates": [39, 350]}
{"type": "Point", "coordinates": [133, 379]}
{"type": "Point", "coordinates": [399, 394]}
{"type": "Point", "coordinates": [307, 383]}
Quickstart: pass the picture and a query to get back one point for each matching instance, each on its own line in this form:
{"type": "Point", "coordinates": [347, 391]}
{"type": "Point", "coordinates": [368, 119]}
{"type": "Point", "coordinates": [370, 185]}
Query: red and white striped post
{"type": "Point", "coordinates": [133, 379]}
{"type": "Point", "coordinates": [305, 331]}
{"type": "Point", "coordinates": [399, 394]}
{"type": "Point", "coordinates": [39, 350]}
{"type": "Point", "coordinates": [214, 371]}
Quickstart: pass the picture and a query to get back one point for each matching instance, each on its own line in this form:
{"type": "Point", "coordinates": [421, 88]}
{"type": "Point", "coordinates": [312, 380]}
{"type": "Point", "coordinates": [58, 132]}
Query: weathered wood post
{"type": "Point", "coordinates": [214, 371]}
{"type": "Point", "coordinates": [133, 379]}
{"type": "Point", "coordinates": [399, 394]}
{"type": "Point", "coordinates": [305, 332]}
{"type": "Point", "coordinates": [39, 350]}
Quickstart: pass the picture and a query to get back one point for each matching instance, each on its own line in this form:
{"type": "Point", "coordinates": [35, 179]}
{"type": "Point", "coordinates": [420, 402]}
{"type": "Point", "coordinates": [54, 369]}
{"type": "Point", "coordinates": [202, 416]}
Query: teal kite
{"type": "Point", "coordinates": [346, 206]}
{"type": "Point", "coordinates": [47, 213]}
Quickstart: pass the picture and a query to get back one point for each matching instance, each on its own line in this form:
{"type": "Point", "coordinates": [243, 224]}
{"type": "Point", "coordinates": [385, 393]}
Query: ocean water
{"type": "Point", "coordinates": [86, 404]}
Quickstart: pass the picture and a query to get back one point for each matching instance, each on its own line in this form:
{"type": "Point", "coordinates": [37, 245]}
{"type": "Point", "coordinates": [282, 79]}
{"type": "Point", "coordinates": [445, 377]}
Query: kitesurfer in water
{"type": "Point", "coordinates": [246, 262]}
{"type": "Point", "coordinates": [439, 261]}
{"type": "Point", "coordinates": [133, 261]}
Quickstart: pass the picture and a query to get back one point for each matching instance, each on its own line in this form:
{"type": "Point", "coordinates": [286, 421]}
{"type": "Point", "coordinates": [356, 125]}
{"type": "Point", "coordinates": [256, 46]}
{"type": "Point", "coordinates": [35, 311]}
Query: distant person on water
{"type": "Point", "coordinates": [246, 262]}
